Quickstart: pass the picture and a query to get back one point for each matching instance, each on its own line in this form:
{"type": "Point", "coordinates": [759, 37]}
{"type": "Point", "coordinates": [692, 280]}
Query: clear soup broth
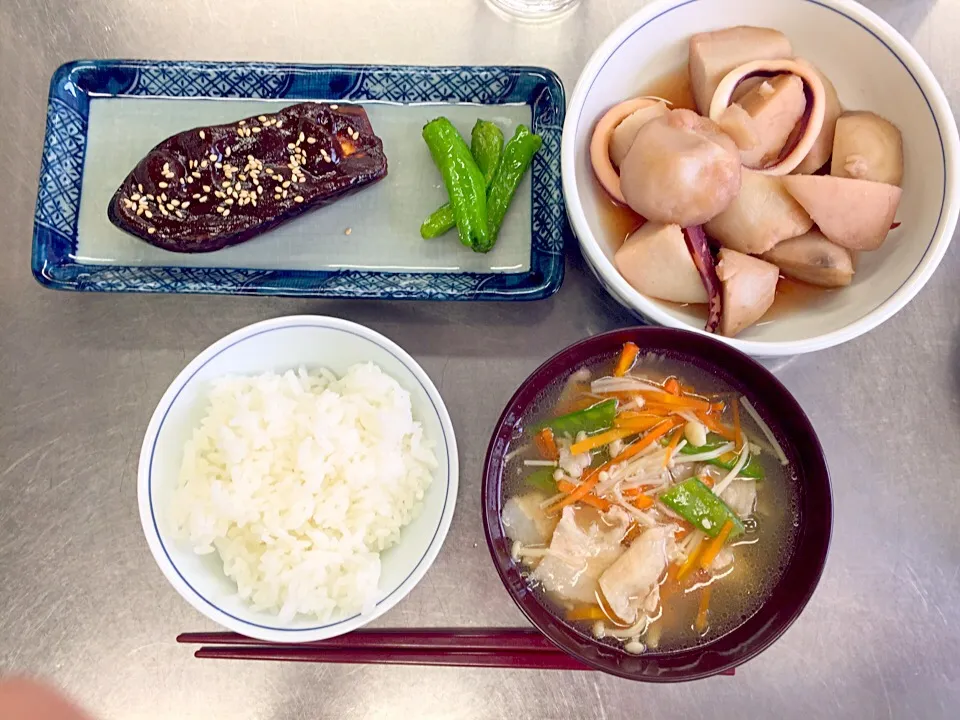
{"type": "Point", "coordinates": [647, 507]}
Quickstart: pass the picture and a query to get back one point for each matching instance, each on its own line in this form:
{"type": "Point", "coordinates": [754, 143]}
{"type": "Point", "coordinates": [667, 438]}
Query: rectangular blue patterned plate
{"type": "Point", "coordinates": [104, 116]}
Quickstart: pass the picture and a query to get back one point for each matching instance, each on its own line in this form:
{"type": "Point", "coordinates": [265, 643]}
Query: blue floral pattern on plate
{"type": "Point", "coordinates": [61, 173]}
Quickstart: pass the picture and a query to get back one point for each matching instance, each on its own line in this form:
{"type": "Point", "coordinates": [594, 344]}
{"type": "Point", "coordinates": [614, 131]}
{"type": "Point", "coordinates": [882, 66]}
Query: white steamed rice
{"type": "Point", "coordinates": [299, 481]}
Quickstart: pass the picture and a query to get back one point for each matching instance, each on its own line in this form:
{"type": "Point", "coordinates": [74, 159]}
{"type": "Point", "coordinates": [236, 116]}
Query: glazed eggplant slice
{"type": "Point", "coordinates": [210, 187]}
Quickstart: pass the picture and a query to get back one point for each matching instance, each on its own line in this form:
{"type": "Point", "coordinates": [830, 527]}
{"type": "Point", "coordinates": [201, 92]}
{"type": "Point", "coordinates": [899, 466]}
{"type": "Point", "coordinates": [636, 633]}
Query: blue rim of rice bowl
{"type": "Point", "coordinates": [153, 516]}
{"type": "Point", "coordinates": [838, 11]}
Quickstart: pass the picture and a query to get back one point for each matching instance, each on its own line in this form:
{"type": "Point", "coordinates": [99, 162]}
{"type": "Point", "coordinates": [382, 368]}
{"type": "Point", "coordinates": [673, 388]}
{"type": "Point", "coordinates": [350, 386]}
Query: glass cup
{"type": "Point", "coordinates": [534, 9]}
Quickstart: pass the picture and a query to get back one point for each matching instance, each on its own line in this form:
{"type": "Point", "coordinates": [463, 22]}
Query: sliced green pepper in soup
{"type": "Point", "coordinates": [752, 469]}
{"type": "Point", "coordinates": [542, 479]}
{"type": "Point", "coordinates": [589, 420]}
{"type": "Point", "coordinates": [696, 503]}
{"type": "Point", "coordinates": [713, 442]}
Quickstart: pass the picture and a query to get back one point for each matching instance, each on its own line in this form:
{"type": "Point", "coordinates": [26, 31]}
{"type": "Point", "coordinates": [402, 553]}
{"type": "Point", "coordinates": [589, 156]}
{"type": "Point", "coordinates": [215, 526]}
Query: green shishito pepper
{"type": "Point", "coordinates": [752, 469]}
{"type": "Point", "coordinates": [517, 155]}
{"type": "Point", "coordinates": [486, 146]}
{"type": "Point", "coordinates": [542, 479]}
{"type": "Point", "coordinates": [696, 503]}
{"type": "Point", "coordinates": [463, 180]}
{"type": "Point", "coordinates": [589, 420]}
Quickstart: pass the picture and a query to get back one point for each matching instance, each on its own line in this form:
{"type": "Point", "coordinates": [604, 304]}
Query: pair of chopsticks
{"type": "Point", "coordinates": [515, 648]}
{"type": "Point", "coordinates": [455, 647]}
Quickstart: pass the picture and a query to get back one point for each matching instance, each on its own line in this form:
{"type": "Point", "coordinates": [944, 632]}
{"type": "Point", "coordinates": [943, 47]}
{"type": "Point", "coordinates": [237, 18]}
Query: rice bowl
{"type": "Point", "coordinates": [273, 348]}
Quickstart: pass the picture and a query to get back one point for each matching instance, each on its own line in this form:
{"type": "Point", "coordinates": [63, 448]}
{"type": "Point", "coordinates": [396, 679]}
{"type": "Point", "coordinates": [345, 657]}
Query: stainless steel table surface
{"type": "Point", "coordinates": [81, 600]}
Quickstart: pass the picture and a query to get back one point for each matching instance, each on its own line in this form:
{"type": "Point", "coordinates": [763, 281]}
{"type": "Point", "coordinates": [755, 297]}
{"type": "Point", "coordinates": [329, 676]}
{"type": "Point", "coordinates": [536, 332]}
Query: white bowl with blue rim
{"type": "Point", "coordinates": [873, 68]}
{"type": "Point", "coordinates": [279, 345]}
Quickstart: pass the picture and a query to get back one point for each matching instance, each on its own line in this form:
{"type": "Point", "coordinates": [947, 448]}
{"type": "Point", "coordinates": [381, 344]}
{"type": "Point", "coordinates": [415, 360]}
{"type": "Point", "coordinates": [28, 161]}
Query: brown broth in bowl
{"type": "Point", "coordinates": [619, 221]}
{"type": "Point", "coordinates": [692, 604]}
